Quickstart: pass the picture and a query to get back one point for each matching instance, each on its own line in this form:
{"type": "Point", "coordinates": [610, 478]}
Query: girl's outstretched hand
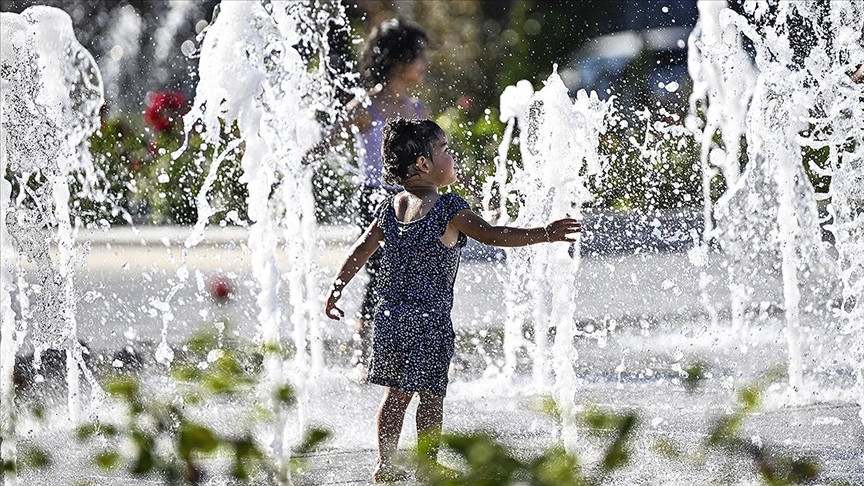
{"type": "Point", "coordinates": [330, 308]}
{"type": "Point", "coordinates": [560, 229]}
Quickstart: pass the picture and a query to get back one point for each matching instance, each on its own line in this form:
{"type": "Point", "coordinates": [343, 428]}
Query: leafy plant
{"type": "Point", "coordinates": [488, 461]}
{"type": "Point", "coordinates": [724, 437]}
{"type": "Point", "coordinates": [157, 436]}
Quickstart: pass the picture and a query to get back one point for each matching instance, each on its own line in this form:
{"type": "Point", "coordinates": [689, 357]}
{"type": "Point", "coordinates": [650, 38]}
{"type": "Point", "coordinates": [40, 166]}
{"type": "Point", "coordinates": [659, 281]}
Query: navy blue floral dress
{"type": "Point", "coordinates": [414, 335]}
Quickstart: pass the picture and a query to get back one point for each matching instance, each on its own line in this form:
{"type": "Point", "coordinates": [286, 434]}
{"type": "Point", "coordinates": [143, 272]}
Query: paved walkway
{"type": "Point", "coordinates": [829, 432]}
{"type": "Point", "coordinates": [641, 320]}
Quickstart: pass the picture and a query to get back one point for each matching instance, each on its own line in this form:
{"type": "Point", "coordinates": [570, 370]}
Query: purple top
{"type": "Point", "coordinates": [368, 146]}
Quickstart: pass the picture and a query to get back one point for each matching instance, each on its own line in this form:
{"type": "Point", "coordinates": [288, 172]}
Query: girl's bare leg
{"type": "Point", "coordinates": [430, 414]}
{"type": "Point", "coordinates": [390, 418]}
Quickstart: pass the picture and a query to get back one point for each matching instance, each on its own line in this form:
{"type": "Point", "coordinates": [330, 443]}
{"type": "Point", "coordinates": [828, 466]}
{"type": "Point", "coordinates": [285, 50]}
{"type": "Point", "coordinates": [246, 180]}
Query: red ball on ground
{"type": "Point", "coordinates": [220, 288]}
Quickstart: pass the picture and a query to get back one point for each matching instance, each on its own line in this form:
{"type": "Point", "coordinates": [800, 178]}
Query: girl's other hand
{"type": "Point", "coordinates": [560, 229]}
{"type": "Point", "coordinates": [330, 308]}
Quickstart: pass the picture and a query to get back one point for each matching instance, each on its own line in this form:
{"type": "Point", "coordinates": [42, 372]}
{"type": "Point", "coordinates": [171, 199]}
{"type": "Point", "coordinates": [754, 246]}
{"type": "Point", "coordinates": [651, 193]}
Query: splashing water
{"type": "Point", "coordinates": [9, 340]}
{"type": "Point", "coordinates": [557, 132]}
{"type": "Point", "coordinates": [254, 79]}
{"type": "Point", "coordinates": [837, 123]}
{"type": "Point", "coordinates": [723, 80]}
{"type": "Point", "coordinates": [774, 186]}
{"type": "Point", "coordinates": [252, 75]}
{"type": "Point", "coordinates": [53, 99]}
{"type": "Point", "coordinates": [52, 94]}
{"type": "Point", "coordinates": [514, 109]}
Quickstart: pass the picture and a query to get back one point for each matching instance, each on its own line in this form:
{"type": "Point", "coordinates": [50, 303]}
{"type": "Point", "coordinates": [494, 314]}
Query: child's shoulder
{"type": "Point", "coordinates": [452, 203]}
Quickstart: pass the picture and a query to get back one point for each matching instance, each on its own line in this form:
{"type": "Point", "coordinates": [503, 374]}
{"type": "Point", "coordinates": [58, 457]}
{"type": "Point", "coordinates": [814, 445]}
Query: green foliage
{"type": "Point", "coordinates": [476, 143]}
{"type": "Point", "coordinates": [107, 460]}
{"type": "Point", "coordinates": [150, 421]}
{"type": "Point", "coordinates": [693, 376]}
{"type": "Point", "coordinates": [619, 427]}
{"type": "Point", "coordinates": [653, 172]}
{"type": "Point", "coordinates": [154, 420]}
{"type": "Point", "coordinates": [285, 395]}
{"type": "Point", "coordinates": [173, 180]}
{"type": "Point", "coordinates": [120, 154]}
{"type": "Point", "coordinates": [142, 176]}
{"type": "Point", "coordinates": [31, 457]}
{"type": "Point", "coordinates": [488, 461]}
{"type": "Point", "coordinates": [725, 437]}
{"type": "Point", "coordinates": [314, 438]}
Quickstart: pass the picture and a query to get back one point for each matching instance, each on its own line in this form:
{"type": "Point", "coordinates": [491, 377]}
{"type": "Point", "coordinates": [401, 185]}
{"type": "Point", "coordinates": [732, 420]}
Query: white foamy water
{"type": "Point", "coordinates": [723, 80]}
{"type": "Point", "coordinates": [513, 109]}
{"type": "Point", "coordinates": [836, 123]}
{"type": "Point", "coordinates": [560, 162]}
{"type": "Point", "coordinates": [52, 94]}
{"type": "Point", "coordinates": [252, 77]}
{"type": "Point", "coordinates": [769, 217]}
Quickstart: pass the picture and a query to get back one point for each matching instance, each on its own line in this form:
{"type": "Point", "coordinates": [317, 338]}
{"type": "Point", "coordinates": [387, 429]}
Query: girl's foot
{"type": "Point", "coordinates": [389, 474]}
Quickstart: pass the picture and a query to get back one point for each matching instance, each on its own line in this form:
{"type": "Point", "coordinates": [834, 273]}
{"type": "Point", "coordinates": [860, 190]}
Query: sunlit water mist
{"type": "Point", "coordinates": [123, 44]}
{"type": "Point", "coordinates": [768, 216]}
{"type": "Point", "coordinates": [723, 80]}
{"type": "Point", "coordinates": [560, 163]}
{"type": "Point", "coordinates": [253, 77]}
{"type": "Point", "coordinates": [52, 93]}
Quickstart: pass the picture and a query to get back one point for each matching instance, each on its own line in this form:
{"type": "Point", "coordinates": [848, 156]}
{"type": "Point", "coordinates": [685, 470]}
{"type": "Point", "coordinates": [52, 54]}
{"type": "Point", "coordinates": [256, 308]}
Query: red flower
{"type": "Point", "coordinates": [220, 288]}
{"type": "Point", "coordinates": [465, 102]}
{"type": "Point", "coordinates": [165, 110]}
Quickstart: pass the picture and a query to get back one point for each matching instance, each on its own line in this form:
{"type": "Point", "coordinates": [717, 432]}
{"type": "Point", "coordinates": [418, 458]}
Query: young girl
{"type": "Point", "coordinates": [420, 233]}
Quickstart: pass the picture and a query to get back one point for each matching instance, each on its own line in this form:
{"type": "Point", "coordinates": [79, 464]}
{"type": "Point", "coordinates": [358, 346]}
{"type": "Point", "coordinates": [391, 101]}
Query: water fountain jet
{"type": "Point", "coordinates": [52, 94]}
{"type": "Point", "coordinates": [558, 131]}
{"type": "Point", "coordinates": [271, 98]}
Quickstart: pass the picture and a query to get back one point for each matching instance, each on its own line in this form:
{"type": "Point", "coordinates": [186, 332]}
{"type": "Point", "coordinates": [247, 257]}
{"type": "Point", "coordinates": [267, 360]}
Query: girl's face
{"type": "Point", "coordinates": [415, 71]}
{"type": "Point", "coordinates": [443, 162]}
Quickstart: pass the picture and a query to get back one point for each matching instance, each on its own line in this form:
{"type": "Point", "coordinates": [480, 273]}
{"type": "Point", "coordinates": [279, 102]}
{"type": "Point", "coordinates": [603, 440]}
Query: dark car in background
{"type": "Point", "coordinates": [644, 64]}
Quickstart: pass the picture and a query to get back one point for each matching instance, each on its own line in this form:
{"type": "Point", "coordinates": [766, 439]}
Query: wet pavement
{"type": "Point", "coordinates": [641, 321]}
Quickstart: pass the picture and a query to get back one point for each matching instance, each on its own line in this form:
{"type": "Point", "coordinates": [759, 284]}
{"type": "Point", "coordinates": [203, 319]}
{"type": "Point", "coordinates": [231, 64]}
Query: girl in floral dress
{"type": "Point", "coordinates": [419, 233]}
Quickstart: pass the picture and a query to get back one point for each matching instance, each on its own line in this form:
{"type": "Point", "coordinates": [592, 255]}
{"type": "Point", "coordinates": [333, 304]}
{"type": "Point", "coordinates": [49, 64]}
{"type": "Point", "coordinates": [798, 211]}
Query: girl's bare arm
{"type": "Point", "coordinates": [359, 254]}
{"type": "Point", "coordinates": [471, 224]}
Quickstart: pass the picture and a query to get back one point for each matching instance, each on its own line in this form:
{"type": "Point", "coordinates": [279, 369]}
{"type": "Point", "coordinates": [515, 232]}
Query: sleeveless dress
{"type": "Point", "coordinates": [413, 341]}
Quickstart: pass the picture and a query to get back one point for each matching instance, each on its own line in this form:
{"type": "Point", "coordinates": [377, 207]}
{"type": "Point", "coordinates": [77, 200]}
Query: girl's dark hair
{"type": "Point", "coordinates": [393, 43]}
{"type": "Point", "coordinates": [404, 141]}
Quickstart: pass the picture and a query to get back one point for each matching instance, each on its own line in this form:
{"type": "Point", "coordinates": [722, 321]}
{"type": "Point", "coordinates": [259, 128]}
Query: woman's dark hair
{"type": "Point", "coordinates": [393, 43]}
{"type": "Point", "coordinates": [404, 141]}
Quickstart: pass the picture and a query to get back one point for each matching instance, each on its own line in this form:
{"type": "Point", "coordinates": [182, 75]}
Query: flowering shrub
{"type": "Point", "coordinates": [140, 179]}
{"type": "Point", "coordinates": [165, 110]}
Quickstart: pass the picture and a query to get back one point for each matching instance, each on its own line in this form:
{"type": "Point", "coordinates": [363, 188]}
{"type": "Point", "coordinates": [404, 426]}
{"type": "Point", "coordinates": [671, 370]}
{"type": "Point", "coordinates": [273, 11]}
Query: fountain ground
{"type": "Point", "coordinates": [828, 432]}
{"type": "Point", "coordinates": [641, 321]}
